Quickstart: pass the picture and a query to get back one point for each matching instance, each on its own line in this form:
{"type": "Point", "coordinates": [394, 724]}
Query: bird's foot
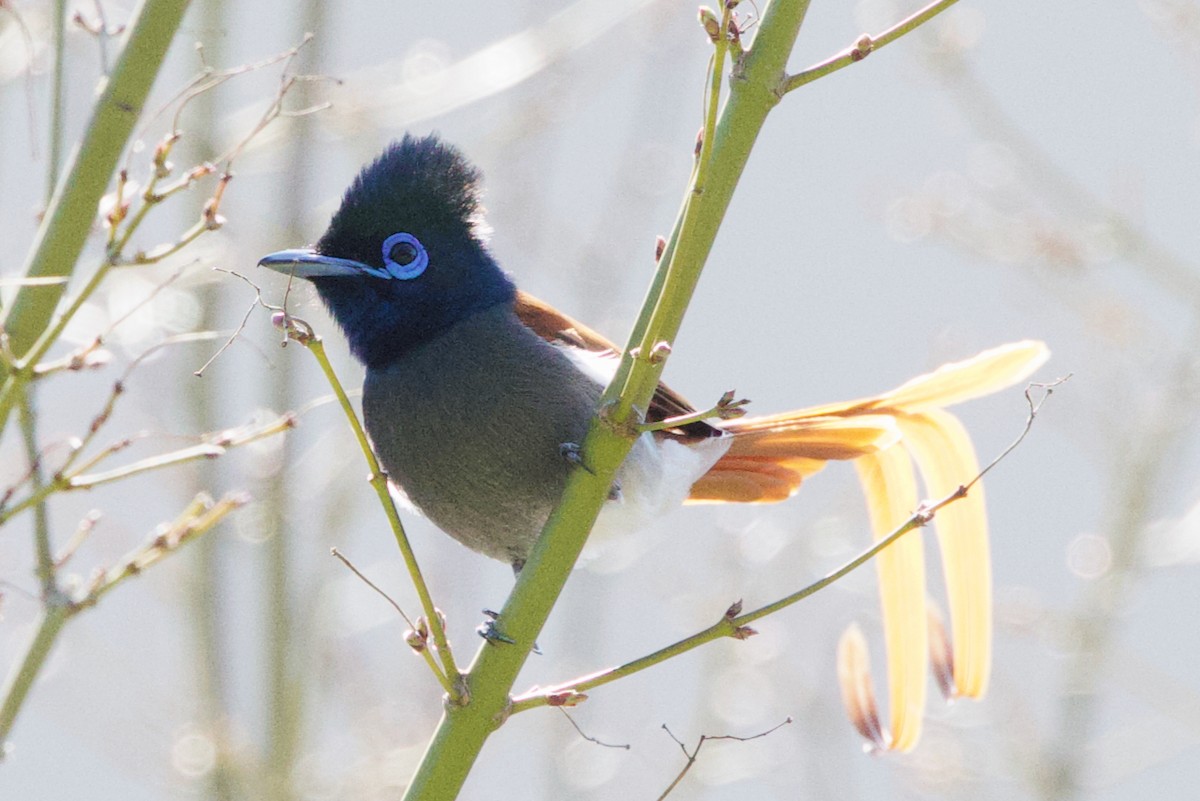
{"type": "Point", "coordinates": [573, 453]}
{"type": "Point", "coordinates": [490, 632]}
{"type": "Point", "coordinates": [574, 456]}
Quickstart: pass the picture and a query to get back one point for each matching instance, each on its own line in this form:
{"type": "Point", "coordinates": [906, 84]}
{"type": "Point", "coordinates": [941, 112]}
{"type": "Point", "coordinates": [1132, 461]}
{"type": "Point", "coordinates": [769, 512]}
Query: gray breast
{"type": "Point", "coordinates": [470, 427]}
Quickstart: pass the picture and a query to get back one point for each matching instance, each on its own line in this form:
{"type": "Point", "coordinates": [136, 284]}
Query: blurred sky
{"type": "Point", "coordinates": [1011, 171]}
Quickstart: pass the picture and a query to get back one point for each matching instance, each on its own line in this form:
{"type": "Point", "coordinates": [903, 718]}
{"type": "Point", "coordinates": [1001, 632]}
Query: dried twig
{"type": "Point", "coordinates": [695, 752]}
{"type": "Point", "coordinates": [588, 737]}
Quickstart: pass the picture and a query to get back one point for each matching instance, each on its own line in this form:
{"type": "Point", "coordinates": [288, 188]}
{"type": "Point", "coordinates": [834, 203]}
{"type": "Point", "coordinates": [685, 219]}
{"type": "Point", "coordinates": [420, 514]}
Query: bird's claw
{"type": "Point", "coordinates": [489, 632]}
{"type": "Point", "coordinates": [574, 456]}
{"type": "Point", "coordinates": [573, 453]}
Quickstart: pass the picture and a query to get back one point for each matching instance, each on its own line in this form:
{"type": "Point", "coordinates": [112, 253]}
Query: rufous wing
{"type": "Point", "coordinates": [559, 329]}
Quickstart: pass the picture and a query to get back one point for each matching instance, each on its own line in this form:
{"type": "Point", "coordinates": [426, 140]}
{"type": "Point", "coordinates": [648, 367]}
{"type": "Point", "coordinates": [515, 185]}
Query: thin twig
{"type": "Point", "coordinates": [82, 532]}
{"type": "Point", "coordinates": [1047, 389]}
{"type": "Point", "coordinates": [257, 302]}
{"type": "Point", "coordinates": [588, 737]}
{"type": "Point", "coordinates": [727, 408]}
{"type": "Point", "coordinates": [691, 757]}
{"type": "Point", "coordinates": [736, 624]}
{"type": "Point", "coordinates": [865, 45]}
{"type": "Point", "coordinates": [418, 634]}
{"type": "Point", "coordinates": [302, 332]}
{"type": "Point", "coordinates": [199, 517]}
{"type": "Point", "coordinates": [334, 552]}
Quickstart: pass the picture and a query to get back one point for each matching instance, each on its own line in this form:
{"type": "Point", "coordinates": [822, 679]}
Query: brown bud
{"type": "Point", "coordinates": [711, 22]}
{"type": "Point", "coordinates": [567, 698]}
{"type": "Point", "coordinates": [415, 640]}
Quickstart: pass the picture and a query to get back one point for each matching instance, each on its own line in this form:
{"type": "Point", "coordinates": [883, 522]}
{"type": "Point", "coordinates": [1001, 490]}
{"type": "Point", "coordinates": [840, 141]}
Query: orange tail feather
{"type": "Point", "coordinates": [771, 456]}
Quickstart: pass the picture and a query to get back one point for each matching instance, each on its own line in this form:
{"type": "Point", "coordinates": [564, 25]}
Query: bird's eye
{"type": "Point", "coordinates": [404, 256]}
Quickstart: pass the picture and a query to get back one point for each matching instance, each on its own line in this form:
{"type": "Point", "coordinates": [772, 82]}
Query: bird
{"type": "Point", "coordinates": [477, 394]}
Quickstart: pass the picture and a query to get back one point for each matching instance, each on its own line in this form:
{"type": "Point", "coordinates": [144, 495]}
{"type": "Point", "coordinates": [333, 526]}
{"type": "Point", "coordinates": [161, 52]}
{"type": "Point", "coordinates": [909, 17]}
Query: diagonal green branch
{"type": "Point", "coordinates": [58, 606]}
{"type": "Point", "coordinates": [755, 89]}
{"type": "Point", "coordinates": [447, 675]}
{"type": "Point", "coordinates": [866, 45]}
{"type": "Point", "coordinates": [64, 230]}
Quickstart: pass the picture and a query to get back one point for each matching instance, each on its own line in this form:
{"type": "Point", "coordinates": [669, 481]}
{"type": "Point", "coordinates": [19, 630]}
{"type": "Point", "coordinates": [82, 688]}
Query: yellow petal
{"type": "Point", "coordinates": [858, 693]}
{"type": "Point", "coordinates": [943, 452]}
{"type": "Point", "coordinates": [887, 478]}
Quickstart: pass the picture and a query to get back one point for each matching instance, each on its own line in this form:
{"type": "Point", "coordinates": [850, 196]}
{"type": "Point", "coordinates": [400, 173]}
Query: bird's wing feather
{"type": "Point", "coordinates": [559, 329]}
{"type": "Point", "coordinates": [769, 456]}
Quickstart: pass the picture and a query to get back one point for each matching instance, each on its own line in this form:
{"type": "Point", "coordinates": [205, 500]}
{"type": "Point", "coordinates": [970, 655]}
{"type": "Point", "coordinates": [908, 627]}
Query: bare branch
{"type": "Point", "coordinates": [257, 302]}
{"type": "Point", "coordinates": [588, 737]}
{"type": "Point", "coordinates": [865, 45]}
{"type": "Point", "coordinates": [334, 552]}
{"type": "Point", "coordinates": [201, 515]}
{"type": "Point", "coordinates": [737, 625]}
{"type": "Point", "coordinates": [695, 752]}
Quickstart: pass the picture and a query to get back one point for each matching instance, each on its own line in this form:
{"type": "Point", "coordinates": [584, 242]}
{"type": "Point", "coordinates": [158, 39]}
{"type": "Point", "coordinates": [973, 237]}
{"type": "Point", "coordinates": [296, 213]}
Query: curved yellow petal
{"type": "Point", "coordinates": [891, 490]}
{"type": "Point", "coordinates": [945, 456]}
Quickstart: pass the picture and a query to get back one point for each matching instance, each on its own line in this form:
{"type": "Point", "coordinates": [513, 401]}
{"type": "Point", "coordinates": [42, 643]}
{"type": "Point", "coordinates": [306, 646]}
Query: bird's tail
{"type": "Point", "coordinates": [770, 456]}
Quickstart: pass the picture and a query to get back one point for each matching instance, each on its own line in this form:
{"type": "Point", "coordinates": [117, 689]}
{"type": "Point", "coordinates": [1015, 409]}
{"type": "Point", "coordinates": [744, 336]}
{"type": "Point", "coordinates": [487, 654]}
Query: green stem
{"type": "Point", "coordinates": [754, 91]}
{"type": "Point", "coordinates": [728, 626]}
{"type": "Point", "coordinates": [41, 518]}
{"type": "Point", "coordinates": [57, 99]}
{"type": "Point", "coordinates": [712, 109]}
{"type": "Point", "coordinates": [379, 482]}
{"type": "Point", "coordinates": [15, 691]}
{"type": "Point", "coordinates": [197, 519]}
{"type": "Point", "coordinates": [65, 227]}
{"type": "Point", "coordinates": [866, 45]}
{"type": "Point", "coordinates": [80, 479]}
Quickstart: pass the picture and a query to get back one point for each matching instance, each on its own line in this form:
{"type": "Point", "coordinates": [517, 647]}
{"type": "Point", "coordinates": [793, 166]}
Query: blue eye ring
{"type": "Point", "coordinates": [417, 258]}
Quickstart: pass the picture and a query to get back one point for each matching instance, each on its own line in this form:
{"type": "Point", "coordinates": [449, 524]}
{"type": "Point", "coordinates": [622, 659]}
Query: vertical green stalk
{"type": "Point", "coordinates": [58, 97]}
{"type": "Point", "coordinates": [64, 229]}
{"type": "Point", "coordinates": [755, 88]}
{"type": "Point", "coordinates": [55, 608]}
{"type": "Point", "coordinates": [55, 251]}
{"type": "Point", "coordinates": [285, 667]}
{"type": "Point", "coordinates": [754, 91]}
{"type": "Point", "coordinates": [208, 582]}
{"type": "Point", "coordinates": [43, 549]}
{"type": "Point", "coordinates": [16, 689]}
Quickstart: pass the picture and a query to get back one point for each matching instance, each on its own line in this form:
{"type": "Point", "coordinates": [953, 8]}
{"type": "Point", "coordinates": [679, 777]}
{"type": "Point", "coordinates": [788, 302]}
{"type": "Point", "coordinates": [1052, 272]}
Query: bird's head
{"type": "Point", "coordinates": [403, 259]}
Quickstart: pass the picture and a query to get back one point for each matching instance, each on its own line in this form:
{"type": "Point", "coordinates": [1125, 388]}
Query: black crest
{"type": "Point", "coordinates": [419, 185]}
